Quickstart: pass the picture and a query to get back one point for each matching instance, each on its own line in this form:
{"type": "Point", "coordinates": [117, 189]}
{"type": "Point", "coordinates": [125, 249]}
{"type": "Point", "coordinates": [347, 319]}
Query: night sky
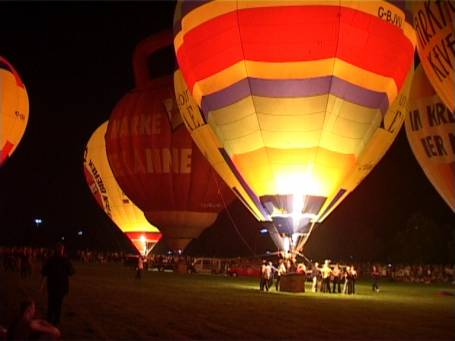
{"type": "Point", "coordinates": [75, 60]}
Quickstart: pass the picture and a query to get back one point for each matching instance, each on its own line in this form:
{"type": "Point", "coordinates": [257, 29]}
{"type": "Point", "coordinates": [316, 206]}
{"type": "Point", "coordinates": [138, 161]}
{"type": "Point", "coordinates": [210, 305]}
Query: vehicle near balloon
{"type": "Point", "coordinates": [293, 103]}
{"type": "Point", "coordinates": [14, 109]}
{"type": "Point", "coordinates": [110, 197]}
{"type": "Point", "coordinates": [430, 128]}
{"type": "Point", "coordinates": [154, 158]}
{"type": "Point", "coordinates": [434, 22]}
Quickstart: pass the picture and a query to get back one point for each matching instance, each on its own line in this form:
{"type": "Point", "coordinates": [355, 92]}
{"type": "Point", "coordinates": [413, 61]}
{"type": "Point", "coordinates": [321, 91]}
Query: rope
{"type": "Point", "coordinates": [232, 219]}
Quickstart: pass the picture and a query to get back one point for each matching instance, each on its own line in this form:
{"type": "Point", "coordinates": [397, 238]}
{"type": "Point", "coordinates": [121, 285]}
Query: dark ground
{"type": "Point", "coordinates": [106, 302]}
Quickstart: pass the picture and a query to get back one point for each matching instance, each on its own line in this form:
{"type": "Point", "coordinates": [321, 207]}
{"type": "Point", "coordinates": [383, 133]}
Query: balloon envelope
{"type": "Point", "coordinates": [110, 197]}
{"type": "Point", "coordinates": [430, 128]}
{"type": "Point", "coordinates": [296, 98]}
{"type": "Point", "coordinates": [13, 109]}
{"type": "Point", "coordinates": [434, 22]}
{"type": "Point", "coordinates": [158, 165]}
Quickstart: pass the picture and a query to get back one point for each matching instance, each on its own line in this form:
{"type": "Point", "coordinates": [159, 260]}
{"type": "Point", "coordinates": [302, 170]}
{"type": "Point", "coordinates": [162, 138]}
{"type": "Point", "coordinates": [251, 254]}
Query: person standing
{"type": "Point", "coordinates": [375, 278]}
{"type": "Point", "coordinates": [280, 272]}
{"type": "Point", "coordinates": [326, 272]}
{"type": "Point", "coordinates": [336, 273]}
{"type": "Point", "coordinates": [314, 275]}
{"type": "Point", "coordinates": [346, 279]}
{"type": "Point", "coordinates": [262, 276]}
{"type": "Point", "coordinates": [56, 272]}
{"type": "Point", "coordinates": [353, 279]}
{"type": "Point", "coordinates": [140, 267]}
{"type": "Point", "coordinates": [268, 275]}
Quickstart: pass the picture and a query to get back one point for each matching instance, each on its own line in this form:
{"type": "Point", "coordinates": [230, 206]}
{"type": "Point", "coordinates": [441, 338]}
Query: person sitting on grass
{"type": "Point", "coordinates": [27, 327]}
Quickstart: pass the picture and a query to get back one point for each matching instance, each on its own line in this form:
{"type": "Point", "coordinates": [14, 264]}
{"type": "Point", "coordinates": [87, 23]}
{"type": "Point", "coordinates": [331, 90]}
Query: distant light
{"type": "Point", "coordinates": [169, 252]}
{"type": "Point", "coordinates": [63, 238]}
{"type": "Point", "coordinates": [80, 233]}
{"type": "Point", "coordinates": [263, 231]}
{"type": "Point", "coordinates": [38, 221]}
{"type": "Point", "coordinates": [179, 252]}
{"type": "Point", "coordinates": [267, 252]}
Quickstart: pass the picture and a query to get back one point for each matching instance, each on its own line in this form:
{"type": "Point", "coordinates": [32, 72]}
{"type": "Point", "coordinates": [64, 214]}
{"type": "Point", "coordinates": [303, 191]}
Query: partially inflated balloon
{"type": "Point", "coordinates": [155, 160]}
{"type": "Point", "coordinates": [13, 109]}
{"type": "Point", "coordinates": [434, 22]}
{"type": "Point", "coordinates": [430, 127]}
{"type": "Point", "coordinates": [108, 194]}
{"type": "Point", "coordinates": [296, 97]}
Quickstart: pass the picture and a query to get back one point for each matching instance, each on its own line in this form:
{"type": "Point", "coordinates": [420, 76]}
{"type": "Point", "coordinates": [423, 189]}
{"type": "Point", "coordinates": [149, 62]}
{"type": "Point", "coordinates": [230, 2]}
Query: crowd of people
{"type": "Point", "coordinates": [326, 279]}
{"type": "Point", "coordinates": [330, 277]}
{"type": "Point", "coordinates": [21, 259]}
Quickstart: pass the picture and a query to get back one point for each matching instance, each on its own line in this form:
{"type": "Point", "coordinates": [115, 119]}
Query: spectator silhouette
{"type": "Point", "coordinates": [56, 271]}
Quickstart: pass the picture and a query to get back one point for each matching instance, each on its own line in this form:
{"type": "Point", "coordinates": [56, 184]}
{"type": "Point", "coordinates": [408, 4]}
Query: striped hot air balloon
{"type": "Point", "coordinates": [430, 127]}
{"type": "Point", "coordinates": [13, 109]}
{"type": "Point", "coordinates": [110, 197]}
{"type": "Point", "coordinates": [155, 160]}
{"type": "Point", "coordinates": [298, 99]}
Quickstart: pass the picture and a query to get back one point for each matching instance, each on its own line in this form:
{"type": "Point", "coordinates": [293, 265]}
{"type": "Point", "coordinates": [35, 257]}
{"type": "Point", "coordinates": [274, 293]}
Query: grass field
{"type": "Point", "coordinates": [106, 302]}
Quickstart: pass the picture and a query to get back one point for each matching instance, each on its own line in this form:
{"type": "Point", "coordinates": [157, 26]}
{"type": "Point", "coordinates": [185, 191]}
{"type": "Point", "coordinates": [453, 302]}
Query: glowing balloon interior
{"type": "Point", "coordinates": [110, 197]}
{"type": "Point", "coordinates": [430, 127]}
{"type": "Point", "coordinates": [297, 99]}
{"type": "Point", "coordinates": [14, 109]}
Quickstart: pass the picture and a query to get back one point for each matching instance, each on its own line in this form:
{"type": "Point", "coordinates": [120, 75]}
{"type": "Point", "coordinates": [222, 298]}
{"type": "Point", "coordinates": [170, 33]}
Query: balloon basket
{"type": "Point", "coordinates": [293, 282]}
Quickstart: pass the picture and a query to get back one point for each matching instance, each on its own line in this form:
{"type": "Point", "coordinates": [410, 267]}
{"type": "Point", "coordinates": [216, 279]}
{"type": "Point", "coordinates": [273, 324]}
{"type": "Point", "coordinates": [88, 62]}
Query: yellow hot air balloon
{"type": "Point", "coordinates": [123, 212]}
{"type": "Point", "coordinates": [13, 109]}
{"type": "Point", "coordinates": [434, 22]}
{"type": "Point", "coordinates": [298, 100]}
{"type": "Point", "coordinates": [430, 127]}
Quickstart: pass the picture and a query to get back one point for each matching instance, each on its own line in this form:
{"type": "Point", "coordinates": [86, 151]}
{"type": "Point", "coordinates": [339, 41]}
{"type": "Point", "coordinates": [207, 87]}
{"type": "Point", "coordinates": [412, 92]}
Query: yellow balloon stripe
{"type": "Point", "coordinates": [326, 121]}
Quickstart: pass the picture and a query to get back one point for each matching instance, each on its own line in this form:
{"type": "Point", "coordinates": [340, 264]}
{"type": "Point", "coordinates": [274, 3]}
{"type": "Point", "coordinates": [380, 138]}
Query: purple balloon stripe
{"type": "Point", "coordinates": [288, 88]}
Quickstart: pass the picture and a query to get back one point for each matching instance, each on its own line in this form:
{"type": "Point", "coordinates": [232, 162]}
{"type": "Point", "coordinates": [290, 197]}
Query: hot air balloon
{"type": "Point", "coordinates": [434, 22]}
{"type": "Point", "coordinates": [430, 127]}
{"type": "Point", "coordinates": [109, 196]}
{"type": "Point", "coordinates": [155, 160]}
{"type": "Point", "coordinates": [13, 109]}
{"type": "Point", "coordinates": [298, 100]}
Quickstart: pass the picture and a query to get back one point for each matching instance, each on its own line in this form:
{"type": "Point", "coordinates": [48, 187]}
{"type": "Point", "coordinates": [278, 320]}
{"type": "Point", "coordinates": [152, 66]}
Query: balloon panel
{"type": "Point", "coordinates": [435, 26]}
{"type": "Point", "coordinates": [108, 194]}
{"type": "Point", "coordinates": [430, 128]}
{"type": "Point", "coordinates": [297, 96]}
{"type": "Point", "coordinates": [14, 109]}
{"type": "Point", "coordinates": [209, 144]}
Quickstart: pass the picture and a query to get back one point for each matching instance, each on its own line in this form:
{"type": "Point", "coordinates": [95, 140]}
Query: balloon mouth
{"type": "Point", "coordinates": [293, 213]}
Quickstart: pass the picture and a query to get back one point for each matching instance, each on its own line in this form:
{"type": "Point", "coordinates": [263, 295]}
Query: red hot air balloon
{"type": "Point", "coordinates": [155, 160]}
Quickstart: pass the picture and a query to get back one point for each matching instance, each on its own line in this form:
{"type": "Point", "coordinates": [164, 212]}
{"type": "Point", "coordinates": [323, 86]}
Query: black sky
{"type": "Point", "coordinates": [75, 60]}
